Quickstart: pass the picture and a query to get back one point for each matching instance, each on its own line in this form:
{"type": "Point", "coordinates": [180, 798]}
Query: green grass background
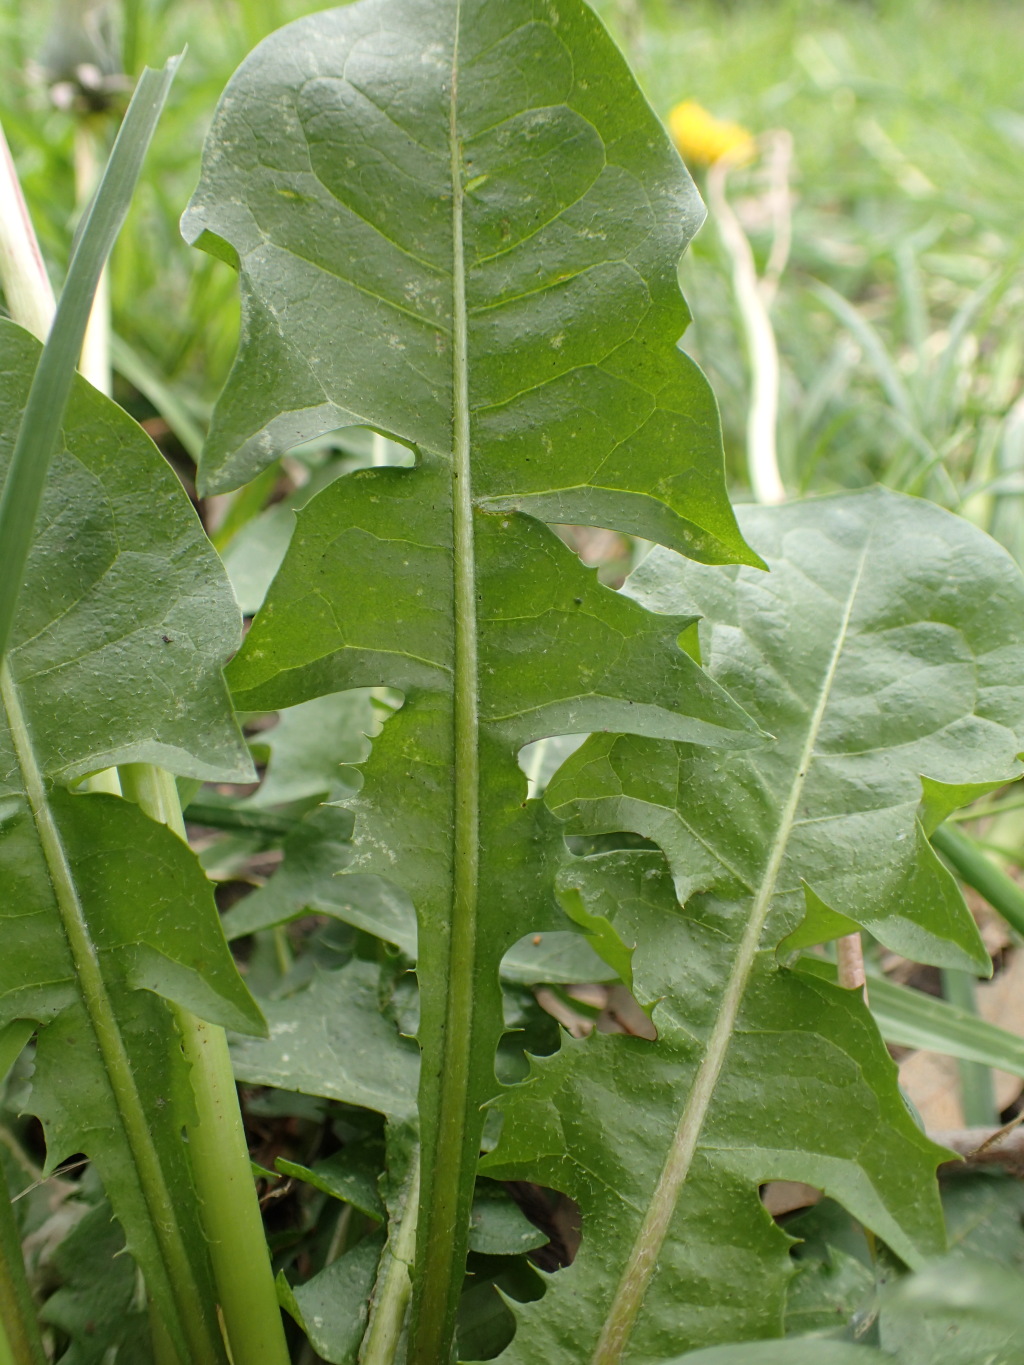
{"type": "Point", "coordinates": [908, 124]}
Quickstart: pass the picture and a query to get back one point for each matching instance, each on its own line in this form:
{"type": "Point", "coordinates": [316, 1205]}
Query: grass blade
{"type": "Point", "coordinates": [37, 438]}
{"type": "Point", "coordinates": [142, 376]}
{"type": "Point", "coordinates": [911, 1018]}
{"type": "Point", "coordinates": [976, 1093]}
{"type": "Point", "coordinates": [971, 865]}
{"type": "Point", "coordinates": [874, 350]}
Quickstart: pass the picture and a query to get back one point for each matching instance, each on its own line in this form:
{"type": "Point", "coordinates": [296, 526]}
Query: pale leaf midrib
{"type": "Point", "coordinates": [642, 1262]}
{"type": "Point", "coordinates": [440, 1234]}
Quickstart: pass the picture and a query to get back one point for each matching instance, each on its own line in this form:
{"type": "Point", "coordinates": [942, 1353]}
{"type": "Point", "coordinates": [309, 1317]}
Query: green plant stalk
{"type": "Point", "coordinates": [977, 1093]}
{"type": "Point", "coordinates": [20, 1342]}
{"type": "Point", "coordinates": [6, 1354]}
{"type": "Point", "coordinates": [440, 1277]}
{"type": "Point", "coordinates": [972, 813]}
{"type": "Point", "coordinates": [218, 1151]}
{"type": "Point", "coordinates": [99, 1010]}
{"type": "Point", "coordinates": [245, 504]}
{"type": "Point", "coordinates": [216, 816]}
{"type": "Point", "coordinates": [132, 16]}
{"type": "Point", "coordinates": [387, 1313]}
{"type": "Point", "coordinates": [163, 1347]}
{"type": "Point", "coordinates": [971, 865]}
{"type": "Point", "coordinates": [762, 418]}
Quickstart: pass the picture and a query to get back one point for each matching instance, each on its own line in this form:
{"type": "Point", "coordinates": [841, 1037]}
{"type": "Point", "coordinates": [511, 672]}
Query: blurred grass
{"type": "Point", "coordinates": [175, 309]}
{"type": "Point", "coordinates": [898, 317]}
{"type": "Point", "coordinates": [908, 127]}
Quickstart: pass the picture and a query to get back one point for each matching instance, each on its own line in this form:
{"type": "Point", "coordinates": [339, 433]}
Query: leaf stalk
{"type": "Point", "coordinates": [218, 1150]}
{"type": "Point", "coordinates": [99, 1010]}
{"type": "Point", "coordinates": [762, 418]}
{"type": "Point", "coordinates": [387, 1314]}
{"type": "Point", "coordinates": [26, 284]}
{"type": "Point", "coordinates": [443, 1237]}
{"type": "Point", "coordinates": [20, 1342]}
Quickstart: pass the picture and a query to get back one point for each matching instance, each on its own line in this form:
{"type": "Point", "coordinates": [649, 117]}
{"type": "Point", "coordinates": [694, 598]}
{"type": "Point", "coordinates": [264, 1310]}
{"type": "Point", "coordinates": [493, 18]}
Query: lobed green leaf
{"type": "Point", "coordinates": [885, 646]}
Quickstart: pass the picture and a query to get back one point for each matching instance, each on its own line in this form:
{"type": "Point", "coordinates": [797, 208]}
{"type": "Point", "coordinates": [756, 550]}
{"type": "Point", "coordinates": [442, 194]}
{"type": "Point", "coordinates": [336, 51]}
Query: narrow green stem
{"type": "Point", "coordinates": [282, 949]}
{"type": "Point", "coordinates": [762, 418]}
{"type": "Point", "coordinates": [387, 1314]}
{"type": "Point", "coordinates": [133, 31]}
{"type": "Point", "coordinates": [971, 865]}
{"type": "Point", "coordinates": [216, 816]}
{"type": "Point", "coordinates": [163, 1347]}
{"type": "Point", "coordinates": [175, 412]}
{"type": "Point", "coordinates": [181, 1285]}
{"type": "Point", "coordinates": [20, 1342]}
{"type": "Point", "coordinates": [218, 1149]}
{"type": "Point", "coordinates": [977, 1093]}
{"type": "Point", "coordinates": [972, 813]}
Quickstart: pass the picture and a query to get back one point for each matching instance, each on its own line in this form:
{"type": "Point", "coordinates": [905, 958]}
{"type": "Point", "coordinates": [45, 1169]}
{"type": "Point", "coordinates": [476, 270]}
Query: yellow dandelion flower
{"type": "Point", "coordinates": [702, 138]}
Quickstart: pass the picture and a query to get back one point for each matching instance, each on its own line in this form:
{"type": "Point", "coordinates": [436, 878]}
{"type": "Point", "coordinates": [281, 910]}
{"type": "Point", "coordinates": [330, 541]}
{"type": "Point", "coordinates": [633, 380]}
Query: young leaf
{"type": "Point", "coordinates": [311, 747]}
{"type": "Point", "coordinates": [459, 224]}
{"type": "Point", "coordinates": [835, 1280]}
{"type": "Point", "coordinates": [332, 1308]}
{"type": "Point", "coordinates": [885, 644]}
{"type": "Point", "coordinates": [331, 1040]}
{"type": "Point", "coordinates": [124, 604]}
